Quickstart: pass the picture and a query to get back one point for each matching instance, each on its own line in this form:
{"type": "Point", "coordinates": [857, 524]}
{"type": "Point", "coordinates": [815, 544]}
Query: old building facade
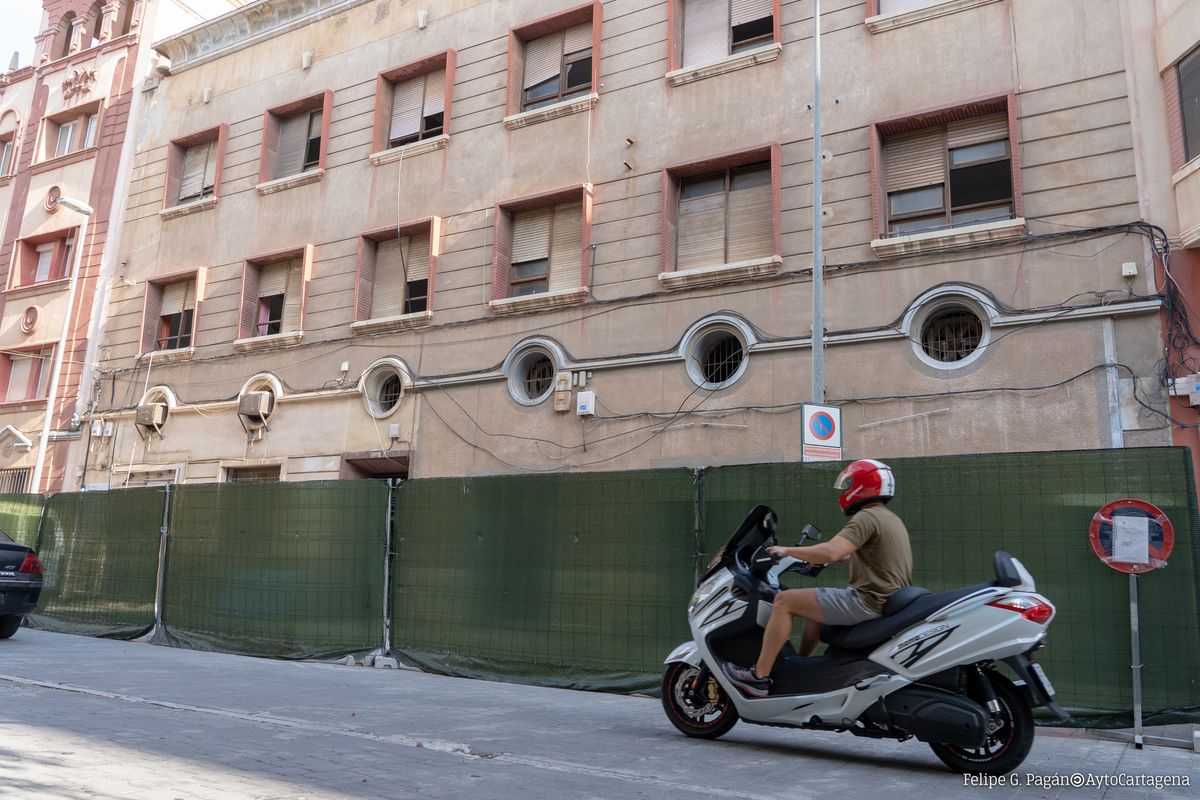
{"type": "Point", "coordinates": [381, 237]}
{"type": "Point", "coordinates": [63, 124]}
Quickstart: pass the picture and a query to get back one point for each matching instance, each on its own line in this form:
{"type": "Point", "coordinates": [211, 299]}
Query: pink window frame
{"type": "Point", "coordinates": [252, 267]}
{"type": "Point", "coordinates": [152, 305]}
{"type": "Point", "coordinates": [671, 176]}
{"type": "Point", "coordinates": [272, 118]}
{"type": "Point", "coordinates": [34, 377]}
{"type": "Point", "coordinates": [177, 149]}
{"type": "Point", "coordinates": [502, 233]}
{"type": "Point", "coordinates": [447, 60]}
{"type": "Point", "coordinates": [364, 281]}
{"type": "Point", "coordinates": [519, 36]}
{"type": "Point", "coordinates": [675, 31]}
{"type": "Point", "coordinates": [1006, 104]}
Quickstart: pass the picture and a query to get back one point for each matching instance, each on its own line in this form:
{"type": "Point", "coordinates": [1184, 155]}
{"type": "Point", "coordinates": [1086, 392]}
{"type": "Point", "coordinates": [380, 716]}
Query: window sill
{"type": "Point", "coordinates": [31, 289]}
{"type": "Point", "coordinates": [720, 273]}
{"type": "Point", "coordinates": [698, 72]}
{"type": "Point", "coordinates": [171, 356]}
{"type": "Point", "coordinates": [1186, 171]}
{"type": "Point", "coordinates": [290, 182]}
{"type": "Point", "coordinates": [191, 207]}
{"type": "Point", "coordinates": [267, 342]}
{"type": "Point", "coordinates": [886, 22]}
{"type": "Point", "coordinates": [399, 322]}
{"type": "Point", "coordinates": [5, 180]}
{"type": "Point", "coordinates": [563, 109]}
{"type": "Point", "coordinates": [62, 161]}
{"type": "Point", "coordinates": [409, 150]}
{"type": "Point", "coordinates": [932, 241]}
{"type": "Point", "coordinates": [538, 302]}
{"type": "Point", "coordinates": [22, 405]}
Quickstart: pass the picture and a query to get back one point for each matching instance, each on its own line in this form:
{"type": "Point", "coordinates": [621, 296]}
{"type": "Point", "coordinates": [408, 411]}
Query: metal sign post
{"type": "Point", "coordinates": [1132, 536]}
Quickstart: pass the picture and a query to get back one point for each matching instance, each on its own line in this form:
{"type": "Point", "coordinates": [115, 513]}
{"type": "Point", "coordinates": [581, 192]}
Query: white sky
{"type": "Point", "coordinates": [21, 20]}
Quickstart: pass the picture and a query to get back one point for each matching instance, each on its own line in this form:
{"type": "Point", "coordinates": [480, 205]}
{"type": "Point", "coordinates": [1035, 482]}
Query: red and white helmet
{"type": "Point", "coordinates": [865, 481]}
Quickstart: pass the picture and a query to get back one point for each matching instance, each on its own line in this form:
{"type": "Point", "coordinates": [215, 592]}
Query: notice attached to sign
{"type": "Point", "coordinates": [1131, 539]}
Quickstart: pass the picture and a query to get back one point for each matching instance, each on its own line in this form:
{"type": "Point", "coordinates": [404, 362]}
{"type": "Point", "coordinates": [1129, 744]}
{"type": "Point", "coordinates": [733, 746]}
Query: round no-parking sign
{"type": "Point", "coordinates": [1132, 536]}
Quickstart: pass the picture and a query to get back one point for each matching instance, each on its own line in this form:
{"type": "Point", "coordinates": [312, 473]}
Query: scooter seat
{"type": "Point", "coordinates": [902, 598]}
{"type": "Point", "coordinates": [871, 633]}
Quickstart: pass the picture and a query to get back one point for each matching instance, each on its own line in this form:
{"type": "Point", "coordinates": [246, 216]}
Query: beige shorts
{"type": "Point", "coordinates": [844, 607]}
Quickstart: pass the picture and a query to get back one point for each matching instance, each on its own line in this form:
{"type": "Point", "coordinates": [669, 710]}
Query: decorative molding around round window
{"type": "Point", "coordinates": [530, 370]}
{"type": "Point", "coordinates": [50, 203]}
{"type": "Point", "coordinates": [949, 329]}
{"type": "Point", "coordinates": [30, 319]}
{"type": "Point", "coordinates": [716, 351]}
{"type": "Point", "coordinates": [383, 385]}
{"type": "Point", "coordinates": [154, 409]}
{"type": "Point", "coordinates": [258, 399]}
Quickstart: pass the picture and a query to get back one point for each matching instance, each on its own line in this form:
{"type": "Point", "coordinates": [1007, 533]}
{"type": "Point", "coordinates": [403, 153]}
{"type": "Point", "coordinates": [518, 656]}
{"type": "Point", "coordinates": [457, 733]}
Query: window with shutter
{"type": "Point", "coordinates": [558, 67]}
{"type": "Point", "coordinates": [176, 315]}
{"type": "Point", "coordinates": [725, 217]}
{"type": "Point", "coordinates": [293, 141]}
{"type": "Point", "coordinates": [948, 175]}
{"type": "Point", "coordinates": [418, 106]}
{"type": "Point", "coordinates": [705, 31]}
{"type": "Point", "coordinates": [752, 23]}
{"type": "Point", "coordinates": [70, 131]}
{"type": "Point", "coordinates": [900, 6]}
{"type": "Point", "coordinates": [530, 251]}
{"type": "Point", "coordinates": [278, 299]}
{"type": "Point", "coordinates": [1189, 102]}
{"type": "Point", "coordinates": [198, 172]}
{"type": "Point", "coordinates": [27, 375]}
{"type": "Point", "coordinates": [6, 151]}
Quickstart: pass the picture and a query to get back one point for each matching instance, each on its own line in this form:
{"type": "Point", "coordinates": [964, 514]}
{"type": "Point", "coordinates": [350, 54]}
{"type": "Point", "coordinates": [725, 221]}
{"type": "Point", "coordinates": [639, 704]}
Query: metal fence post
{"type": "Point", "coordinates": [161, 578]}
{"type": "Point", "coordinates": [388, 556]}
{"type": "Point", "coordinates": [697, 521]}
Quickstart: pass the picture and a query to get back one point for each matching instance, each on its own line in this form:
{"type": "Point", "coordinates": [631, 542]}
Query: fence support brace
{"type": "Point", "coordinates": [161, 579]}
{"type": "Point", "coordinates": [381, 658]}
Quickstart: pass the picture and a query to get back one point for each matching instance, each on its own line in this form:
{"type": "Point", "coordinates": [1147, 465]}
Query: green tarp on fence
{"type": "Point", "coordinates": [292, 570]}
{"type": "Point", "coordinates": [565, 580]}
{"type": "Point", "coordinates": [99, 551]}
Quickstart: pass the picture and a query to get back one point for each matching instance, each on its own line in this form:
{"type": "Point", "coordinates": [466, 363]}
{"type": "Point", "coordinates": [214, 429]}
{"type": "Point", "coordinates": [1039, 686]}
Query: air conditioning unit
{"type": "Point", "coordinates": [255, 406]}
{"type": "Point", "coordinates": [151, 414]}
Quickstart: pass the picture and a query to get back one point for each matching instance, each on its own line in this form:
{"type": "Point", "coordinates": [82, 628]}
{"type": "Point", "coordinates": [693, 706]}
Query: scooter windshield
{"type": "Point", "coordinates": [756, 529]}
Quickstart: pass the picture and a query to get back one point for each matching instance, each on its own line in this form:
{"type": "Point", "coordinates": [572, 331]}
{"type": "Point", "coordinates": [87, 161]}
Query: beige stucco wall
{"type": "Point", "coordinates": [1063, 61]}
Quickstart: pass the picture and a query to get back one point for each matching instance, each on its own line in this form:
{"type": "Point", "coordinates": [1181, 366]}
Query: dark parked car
{"type": "Point", "coordinates": [20, 584]}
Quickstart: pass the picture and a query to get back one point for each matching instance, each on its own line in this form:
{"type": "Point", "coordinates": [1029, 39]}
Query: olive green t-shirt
{"type": "Point", "coordinates": [883, 561]}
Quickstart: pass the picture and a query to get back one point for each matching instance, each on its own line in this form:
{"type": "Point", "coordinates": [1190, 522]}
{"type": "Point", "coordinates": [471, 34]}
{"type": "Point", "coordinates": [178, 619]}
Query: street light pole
{"type": "Point", "coordinates": [818, 272]}
{"type": "Point", "coordinates": [52, 393]}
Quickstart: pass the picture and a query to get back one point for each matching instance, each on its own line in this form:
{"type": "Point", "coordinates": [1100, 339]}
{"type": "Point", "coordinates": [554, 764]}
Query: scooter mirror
{"type": "Point", "coordinates": [811, 531]}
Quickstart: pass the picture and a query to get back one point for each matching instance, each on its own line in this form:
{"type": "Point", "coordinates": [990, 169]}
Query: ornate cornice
{"type": "Point", "coordinates": [253, 23]}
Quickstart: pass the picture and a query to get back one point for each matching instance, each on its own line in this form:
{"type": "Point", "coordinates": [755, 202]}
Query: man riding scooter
{"type": "Point", "coordinates": [874, 542]}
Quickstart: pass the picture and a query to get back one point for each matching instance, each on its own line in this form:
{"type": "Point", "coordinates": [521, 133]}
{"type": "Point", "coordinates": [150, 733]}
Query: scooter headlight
{"type": "Point", "coordinates": [704, 593]}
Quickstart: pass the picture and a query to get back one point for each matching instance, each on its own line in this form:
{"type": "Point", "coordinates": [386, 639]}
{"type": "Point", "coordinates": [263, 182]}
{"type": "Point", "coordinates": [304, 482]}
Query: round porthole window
{"type": "Point", "coordinates": [383, 386]}
{"type": "Point", "coordinates": [531, 377]}
{"type": "Point", "coordinates": [951, 334]}
{"type": "Point", "coordinates": [716, 357]}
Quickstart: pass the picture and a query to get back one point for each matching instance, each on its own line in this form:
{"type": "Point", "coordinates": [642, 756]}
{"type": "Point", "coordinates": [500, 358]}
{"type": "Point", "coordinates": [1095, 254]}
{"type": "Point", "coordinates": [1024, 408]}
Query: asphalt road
{"type": "Point", "coordinates": [91, 718]}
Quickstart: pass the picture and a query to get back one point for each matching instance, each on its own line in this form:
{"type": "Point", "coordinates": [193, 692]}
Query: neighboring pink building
{"type": "Point", "coordinates": [63, 132]}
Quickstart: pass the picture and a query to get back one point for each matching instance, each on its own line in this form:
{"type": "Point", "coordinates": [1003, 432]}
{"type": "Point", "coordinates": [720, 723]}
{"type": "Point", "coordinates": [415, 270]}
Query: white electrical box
{"type": "Point", "coordinates": [1129, 269]}
{"type": "Point", "coordinates": [1188, 386]}
{"type": "Point", "coordinates": [585, 404]}
{"type": "Point", "coordinates": [98, 428]}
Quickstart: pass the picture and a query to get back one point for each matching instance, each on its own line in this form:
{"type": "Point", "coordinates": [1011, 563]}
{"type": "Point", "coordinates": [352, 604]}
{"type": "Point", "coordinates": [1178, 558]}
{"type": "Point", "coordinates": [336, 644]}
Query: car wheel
{"type": "Point", "coordinates": [8, 626]}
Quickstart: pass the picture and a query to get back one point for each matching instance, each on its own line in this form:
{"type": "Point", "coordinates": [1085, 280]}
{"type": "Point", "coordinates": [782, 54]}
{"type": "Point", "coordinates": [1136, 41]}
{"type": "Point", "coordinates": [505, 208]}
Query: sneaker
{"type": "Point", "coordinates": [745, 679]}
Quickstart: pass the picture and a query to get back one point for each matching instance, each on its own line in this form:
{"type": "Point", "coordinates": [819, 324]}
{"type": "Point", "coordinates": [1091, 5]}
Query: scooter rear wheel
{"type": "Point", "coordinates": [1006, 746]}
{"type": "Point", "coordinates": [703, 711]}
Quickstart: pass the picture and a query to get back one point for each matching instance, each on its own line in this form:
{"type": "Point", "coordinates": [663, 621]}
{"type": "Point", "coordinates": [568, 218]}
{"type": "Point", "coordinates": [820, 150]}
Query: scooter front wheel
{"type": "Point", "coordinates": [695, 703]}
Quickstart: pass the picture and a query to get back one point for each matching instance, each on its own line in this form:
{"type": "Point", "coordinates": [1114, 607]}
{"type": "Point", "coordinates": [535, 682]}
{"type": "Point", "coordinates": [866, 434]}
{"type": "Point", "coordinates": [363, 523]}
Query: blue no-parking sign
{"type": "Point", "coordinates": [822, 440]}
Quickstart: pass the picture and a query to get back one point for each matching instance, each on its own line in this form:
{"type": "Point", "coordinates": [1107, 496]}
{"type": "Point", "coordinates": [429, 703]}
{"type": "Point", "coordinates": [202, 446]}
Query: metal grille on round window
{"type": "Point", "coordinates": [538, 377]}
{"type": "Point", "coordinates": [951, 335]}
{"type": "Point", "coordinates": [720, 357]}
{"type": "Point", "coordinates": [389, 392]}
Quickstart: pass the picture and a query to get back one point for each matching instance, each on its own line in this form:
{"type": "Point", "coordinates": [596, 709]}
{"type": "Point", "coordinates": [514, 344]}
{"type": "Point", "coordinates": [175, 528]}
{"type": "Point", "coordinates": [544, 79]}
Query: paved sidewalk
{"type": "Point", "coordinates": [91, 718]}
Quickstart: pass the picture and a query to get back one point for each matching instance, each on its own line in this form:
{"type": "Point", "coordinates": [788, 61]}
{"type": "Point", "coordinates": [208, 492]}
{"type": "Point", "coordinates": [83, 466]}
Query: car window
{"type": "Point", "coordinates": [4, 537]}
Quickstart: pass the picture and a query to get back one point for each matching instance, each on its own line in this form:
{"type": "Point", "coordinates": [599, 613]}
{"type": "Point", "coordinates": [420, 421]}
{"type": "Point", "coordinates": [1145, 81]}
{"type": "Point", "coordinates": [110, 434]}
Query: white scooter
{"type": "Point", "coordinates": [926, 668]}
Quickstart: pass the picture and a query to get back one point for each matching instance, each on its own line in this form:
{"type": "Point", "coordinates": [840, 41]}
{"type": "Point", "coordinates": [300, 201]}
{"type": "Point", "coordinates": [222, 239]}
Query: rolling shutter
{"type": "Point", "coordinates": [912, 160]}
{"type": "Point", "coordinates": [418, 257]}
{"type": "Point", "coordinates": [176, 298]}
{"type": "Point", "coordinates": [293, 137]}
{"type": "Point", "coordinates": [435, 93]}
{"type": "Point", "coordinates": [751, 227]}
{"type": "Point", "coordinates": [273, 280]}
{"type": "Point", "coordinates": [531, 235]}
{"type": "Point", "coordinates": [743, 11]}
{"type": "Point", "coordinates": [578, 38]}
{"type": "Point", "coordinates": [701, 231]}
{"type": "Point", "coordinates": [199, 170]}
{"type": "Point", "coordinates": [566, 247]}
{"type": "Point", "coordinates": [152, 320]}
{"type": "Point", "coordinates": [388, 297]}
{"type": "Point", "coordinates": [406, 108]}
{"type": "Point", "coordinates": [293, 297]}
{"type": "Point", "coordinates": [543, 59]}
{"type": "Point", "coordinates": [978, 130]}
{"type": "Point", "coordinates": [705, 31]}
